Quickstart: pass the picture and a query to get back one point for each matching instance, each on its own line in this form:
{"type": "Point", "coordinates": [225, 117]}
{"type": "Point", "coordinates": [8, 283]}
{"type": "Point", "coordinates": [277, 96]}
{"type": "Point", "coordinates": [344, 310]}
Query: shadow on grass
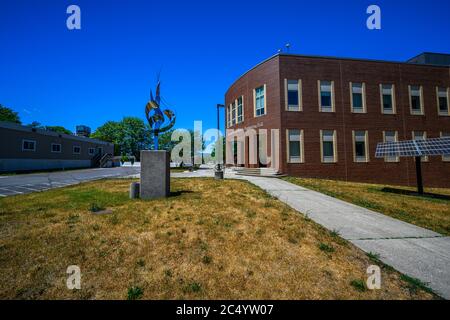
{"type": "Point", "coordinates": [414, 193]}
{"type": "Point", "coordinates": [179, 193]}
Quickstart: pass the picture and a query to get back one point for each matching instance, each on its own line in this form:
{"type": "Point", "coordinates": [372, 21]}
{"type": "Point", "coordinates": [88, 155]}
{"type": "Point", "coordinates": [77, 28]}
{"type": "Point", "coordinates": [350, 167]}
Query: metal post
{"type": "Point", "coordinates": [218, 170]}
{"type": "Point", "coordinates": [419, 175]}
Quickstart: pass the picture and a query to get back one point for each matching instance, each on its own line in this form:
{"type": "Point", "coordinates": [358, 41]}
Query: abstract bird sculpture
{"type": "Point", "coordinates": [159, 120]}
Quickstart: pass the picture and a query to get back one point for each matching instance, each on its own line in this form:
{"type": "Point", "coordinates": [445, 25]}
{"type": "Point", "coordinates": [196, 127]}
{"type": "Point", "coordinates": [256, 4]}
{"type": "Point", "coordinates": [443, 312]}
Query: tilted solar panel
{"type": "Point", "coordinates": [414, 148]}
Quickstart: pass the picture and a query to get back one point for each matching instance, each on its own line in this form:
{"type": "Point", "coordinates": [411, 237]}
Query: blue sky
{"type": "Point", "coordinates": [105, 70]}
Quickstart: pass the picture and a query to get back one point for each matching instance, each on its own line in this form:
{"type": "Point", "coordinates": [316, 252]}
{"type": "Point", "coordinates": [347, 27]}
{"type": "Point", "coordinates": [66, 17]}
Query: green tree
{"type": "Point", "coordinates": [36, 125]}
{"type": "Point", "coordinates": [130, 135]}
{"type": "Point", "coordinates": [165, 141]}
{"type": "Point", "coordinates": [58, 129]}
{"type": "Point", "coordinates": [135, 136]}
{"type": "Point", "coordinates": [8, 115]}
{"type": "Point", "coordinates": [111, 131]}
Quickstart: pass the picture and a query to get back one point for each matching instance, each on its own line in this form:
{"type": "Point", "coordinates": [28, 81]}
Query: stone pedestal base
{"type": "Point", "coordinates": [155, 174]}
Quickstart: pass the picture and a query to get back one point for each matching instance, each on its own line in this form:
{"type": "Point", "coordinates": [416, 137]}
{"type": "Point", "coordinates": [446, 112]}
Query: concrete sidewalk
{"type": "Point", "coordinates": [415, 251]}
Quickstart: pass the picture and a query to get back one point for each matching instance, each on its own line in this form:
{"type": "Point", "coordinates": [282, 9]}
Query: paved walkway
{"type": "Point", "coordinates": [415, 251]}
{"type": "Point", "coordinates": [27, 183]}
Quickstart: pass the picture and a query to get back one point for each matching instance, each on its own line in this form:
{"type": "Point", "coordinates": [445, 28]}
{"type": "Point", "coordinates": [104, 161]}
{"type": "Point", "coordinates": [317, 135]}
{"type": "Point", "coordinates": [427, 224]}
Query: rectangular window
{"type": "Point", "coordinates": [360, 146]}
{"type": "Point", "coordinates": [56, 148]}
{"type": "Point", "coordinates": [28, 145]}
{"type": "Point", "coordinates": [387, 98]}
{"type": "Point", "coordinates": [293, 95]}
{"type": "Point", "coordinates": [233, 113]}
{"type": "Point", "coordinates": [91, 151]}
{"type": "Point", "coordinates": [260, 103]}
{"type": "Point", "coordinates": [442, 100]}
{"type": "Point", "coordinates": [416, 100]}
{"type": "Point", "coordinates": [295, 146]}
{"type": "Point", "coordinates": [240, 110]}
{"type": "Point", "coordinates": [326, 96]}
{"type": "Point", "coordinates": [228, 116]}
{"type": "Point", "coordinates": [76, 149]}
{"type": "Point", "coordinates": [328, 150]}
{"type": "Point", "coordinates": [445, 135]}
{"type": "Point", "coordinates": [390, 136]}
{"type": "Point", "coordinates": [420, 135]}
{"type": "Point", "coordinates": [357, 97]}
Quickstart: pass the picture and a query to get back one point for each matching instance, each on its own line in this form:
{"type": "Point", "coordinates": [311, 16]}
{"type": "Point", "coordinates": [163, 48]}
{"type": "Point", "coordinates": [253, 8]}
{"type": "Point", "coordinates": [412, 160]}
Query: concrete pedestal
{"type": "Point", "coordinates": [155, 174]}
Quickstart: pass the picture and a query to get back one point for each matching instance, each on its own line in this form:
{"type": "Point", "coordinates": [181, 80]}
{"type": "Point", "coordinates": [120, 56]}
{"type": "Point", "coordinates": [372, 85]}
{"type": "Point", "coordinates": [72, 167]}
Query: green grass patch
{"type": "Point", "coordinates": [415, 284]}
{"type": "Point", "coordinates": [326, 248]}
{"type": "Point", "coordinates": [359, 285]}
{"type": "Point", "coordinates": [135, 293]}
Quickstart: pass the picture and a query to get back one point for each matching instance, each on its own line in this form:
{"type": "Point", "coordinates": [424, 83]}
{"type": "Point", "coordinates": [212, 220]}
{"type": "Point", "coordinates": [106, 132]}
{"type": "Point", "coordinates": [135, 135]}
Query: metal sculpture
{"type": "Point", "coordinates": [159, 120]}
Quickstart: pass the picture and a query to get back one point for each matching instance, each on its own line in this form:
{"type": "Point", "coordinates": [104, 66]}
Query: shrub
{"type": "Point", "coordinates": [135, 293]}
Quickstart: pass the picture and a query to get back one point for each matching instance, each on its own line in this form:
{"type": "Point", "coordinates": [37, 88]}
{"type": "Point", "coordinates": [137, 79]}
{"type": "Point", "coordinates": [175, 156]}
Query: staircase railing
{"type": "Point", "coordinates": [103, 160]}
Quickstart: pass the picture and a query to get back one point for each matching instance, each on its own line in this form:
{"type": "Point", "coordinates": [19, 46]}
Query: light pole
{"type": "Point", "coordinates": [218, 168]}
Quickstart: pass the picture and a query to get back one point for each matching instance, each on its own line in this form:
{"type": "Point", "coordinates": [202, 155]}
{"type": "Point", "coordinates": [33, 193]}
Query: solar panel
{"type": "Point", "coordinates": [414, 148]}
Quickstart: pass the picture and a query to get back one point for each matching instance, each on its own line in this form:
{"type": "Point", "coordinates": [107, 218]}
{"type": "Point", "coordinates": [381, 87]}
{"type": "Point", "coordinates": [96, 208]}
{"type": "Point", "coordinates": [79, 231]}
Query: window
{"type": "Point", "coordinates": [328, 146]}
{"type": "Point", "coordinates": [28, 145]}
{"type": "Point", "coordinates": [56, 148]}
{"type": "Point", "coordinates": [76, 149]}
{"type": "Point", "coordinates": [240, 110]}
{"type": "Point", "coordinates": [445, 135]}
{"type": "Point", "coordinates": [295, 146]}
{"type": "Point", "coordinates": [357, 97]}
{"type": "Point", "coordinates": [442, 100]}
{"type": "Point", "coordinates": [233, 113]}
{"type": "Point", "coordinates": [360, 146]}
{"type": "Point", "coordinates": [390, 136]}
{"type": "Point", "coordinates": [293, 95]}
{"type": "Point", "coordinates": [326, 96]}
{"type": "Point", "coordinates": [387, 98]}
{"type": "Point", "coordinates": [228, 116]}
{"type": "Point", "coordinates": [416, 100]}
{"type": "Point", "coordinates": [91, 151]}
{"type": "Point", "coordinates": [260, 101]}
{"type": "Point", "coordinates": [420, 135]}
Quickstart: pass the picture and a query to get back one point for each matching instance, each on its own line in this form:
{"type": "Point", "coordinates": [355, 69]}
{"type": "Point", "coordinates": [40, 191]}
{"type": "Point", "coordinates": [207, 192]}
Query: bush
{"type": "Point", "coordinates": [135, 293]}
{"type": "Point", "coordinates": [124, 159]}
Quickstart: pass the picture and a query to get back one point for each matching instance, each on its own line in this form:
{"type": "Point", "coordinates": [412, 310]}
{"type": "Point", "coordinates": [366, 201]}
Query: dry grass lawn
{"type": "Point", "coordinates": [209, 240]}
{"type": "Point", "coordinates": [431, 211]}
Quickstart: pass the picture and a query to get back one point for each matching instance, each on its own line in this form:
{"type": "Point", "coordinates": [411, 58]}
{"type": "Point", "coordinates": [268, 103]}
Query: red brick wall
{"type": "Point", "coordinates": [342, 72]}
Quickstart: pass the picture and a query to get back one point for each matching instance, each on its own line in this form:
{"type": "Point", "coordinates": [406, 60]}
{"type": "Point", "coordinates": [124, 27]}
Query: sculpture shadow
{"type": "Point", "coordinates": [414, 193]}
{"type": "Point", "coordinates": [179, 193]}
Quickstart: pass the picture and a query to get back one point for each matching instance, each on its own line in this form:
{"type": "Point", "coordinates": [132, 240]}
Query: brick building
{"type": "Point", "coordinates": [332, 112]}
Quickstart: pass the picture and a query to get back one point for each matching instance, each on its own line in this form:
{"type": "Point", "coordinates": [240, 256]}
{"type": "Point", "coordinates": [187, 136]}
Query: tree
{"type": "Point", "coordinates": [111, 131]}
{"type": "Point", "coordinates": [165, 141]}
{"type": "Point", "coordinates": [36, 125]}
{"type": "Point", "coordinates": [8, 115]}
{"type": "Point", "coordinates": [58, 129]}
{"type": "Point", "coordinates": [134, 137]}
{"type": "Point", "coordinates": [129, 136]}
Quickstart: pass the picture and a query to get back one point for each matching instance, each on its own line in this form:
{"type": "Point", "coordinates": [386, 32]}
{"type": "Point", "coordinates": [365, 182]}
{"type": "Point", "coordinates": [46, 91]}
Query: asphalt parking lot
{"type": "Point", "coordinates": [34, 182]}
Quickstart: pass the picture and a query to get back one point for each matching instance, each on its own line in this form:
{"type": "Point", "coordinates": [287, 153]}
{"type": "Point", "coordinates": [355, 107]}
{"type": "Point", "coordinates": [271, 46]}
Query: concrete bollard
{"type": "Point", "coordinates": [134, 190]}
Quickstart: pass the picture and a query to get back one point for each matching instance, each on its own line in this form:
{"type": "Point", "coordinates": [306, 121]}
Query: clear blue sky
{"type": "Point", "coordinates": [105, 70]}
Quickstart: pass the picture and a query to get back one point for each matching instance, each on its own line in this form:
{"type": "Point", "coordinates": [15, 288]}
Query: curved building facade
{"type": "Point", "coordinates": [332, 112]}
